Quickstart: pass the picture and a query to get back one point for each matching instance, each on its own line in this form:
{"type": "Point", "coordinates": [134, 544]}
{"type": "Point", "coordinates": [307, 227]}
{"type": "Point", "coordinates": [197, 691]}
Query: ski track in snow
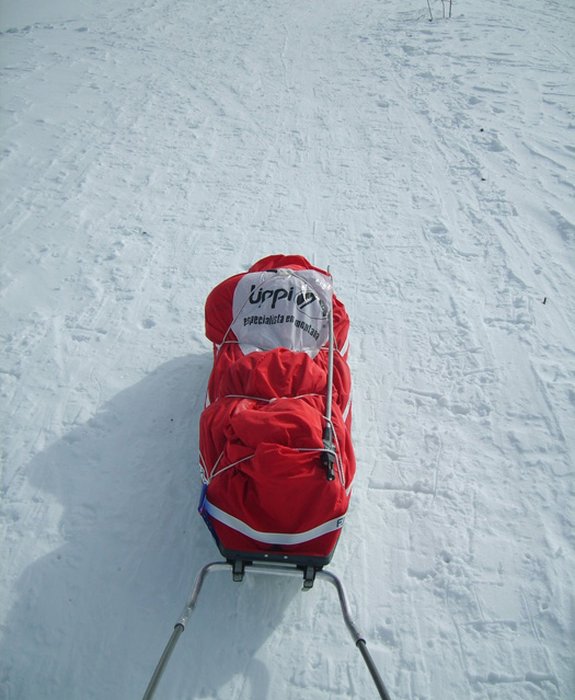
{"type": "Point", "coordinates": [150, 150]}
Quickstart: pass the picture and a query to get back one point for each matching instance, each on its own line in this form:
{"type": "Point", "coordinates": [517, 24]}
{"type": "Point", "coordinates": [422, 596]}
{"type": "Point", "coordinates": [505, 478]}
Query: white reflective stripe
{"type": "Point", "coordinates": [272, 537]}
{"type": "Point", "coordinates": [345, 347]}
{"type": "Point", "coordinates": [347, 408]}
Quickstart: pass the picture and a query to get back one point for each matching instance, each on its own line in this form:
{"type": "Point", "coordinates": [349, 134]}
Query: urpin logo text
{"type": "Point", "coordinates": [280, 294]}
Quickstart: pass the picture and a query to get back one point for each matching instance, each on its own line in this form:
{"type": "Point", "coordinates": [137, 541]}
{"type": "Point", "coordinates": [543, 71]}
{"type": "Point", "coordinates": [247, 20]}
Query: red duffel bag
{"type": "Point", "coordinates": [276, 454]}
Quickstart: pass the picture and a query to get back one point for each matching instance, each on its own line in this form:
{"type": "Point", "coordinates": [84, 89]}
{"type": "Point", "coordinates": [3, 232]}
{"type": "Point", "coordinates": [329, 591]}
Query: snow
{"type": "Point", "coordinates": [151, 149]}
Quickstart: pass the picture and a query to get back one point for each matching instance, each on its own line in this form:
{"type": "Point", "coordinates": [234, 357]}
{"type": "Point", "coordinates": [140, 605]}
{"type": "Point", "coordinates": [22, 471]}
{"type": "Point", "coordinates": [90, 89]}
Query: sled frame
{"type": "Point", "coordinates": [239, 568]}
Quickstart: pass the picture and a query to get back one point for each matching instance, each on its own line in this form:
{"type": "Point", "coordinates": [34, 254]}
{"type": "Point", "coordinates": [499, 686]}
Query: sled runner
{"type": "Point", "coordinates": [276, 455]}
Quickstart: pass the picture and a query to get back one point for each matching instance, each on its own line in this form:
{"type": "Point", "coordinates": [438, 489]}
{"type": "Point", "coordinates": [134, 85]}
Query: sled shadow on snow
{"type": "Point", "coordinates": [93, 615]}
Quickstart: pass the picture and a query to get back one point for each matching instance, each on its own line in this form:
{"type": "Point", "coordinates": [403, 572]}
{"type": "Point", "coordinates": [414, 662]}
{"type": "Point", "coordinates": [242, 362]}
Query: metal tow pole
{"type": "Point", "coordinates": [356, 635]}
{"type": "Point", "coordinates": [180, 626]}
{"type": "Point", "coordinates": [267, 569]}
{"type": "Point", "coordinates": [328, 455]}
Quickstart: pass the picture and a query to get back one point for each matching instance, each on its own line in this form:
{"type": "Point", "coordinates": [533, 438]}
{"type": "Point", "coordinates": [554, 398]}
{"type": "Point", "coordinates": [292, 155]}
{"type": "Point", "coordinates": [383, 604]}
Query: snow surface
{"type": "Point", "coordinates": [149, 150]}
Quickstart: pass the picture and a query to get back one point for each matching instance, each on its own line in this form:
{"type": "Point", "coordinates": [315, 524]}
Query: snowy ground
{"type": "Point", "coordinates": [150, 149]}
